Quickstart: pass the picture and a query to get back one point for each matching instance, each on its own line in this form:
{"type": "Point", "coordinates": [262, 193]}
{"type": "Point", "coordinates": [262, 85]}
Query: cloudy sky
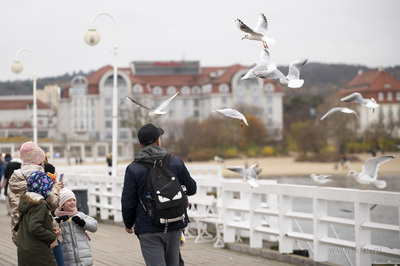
{"type": "Point", "coordinates": [362, 32]}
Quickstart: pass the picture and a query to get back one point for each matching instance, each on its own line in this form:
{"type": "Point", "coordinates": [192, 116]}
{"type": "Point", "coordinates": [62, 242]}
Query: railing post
{"type": "Point", "coordinates": [229, 233]}
{"type": "Point", "coordinates": [320, 208]}
{"type": "Point", "coordinates": [285, 225]}
{"type": "Point", "coordinates": [362, 236]}
{"type": "Point", "coordinates": [255, 220]}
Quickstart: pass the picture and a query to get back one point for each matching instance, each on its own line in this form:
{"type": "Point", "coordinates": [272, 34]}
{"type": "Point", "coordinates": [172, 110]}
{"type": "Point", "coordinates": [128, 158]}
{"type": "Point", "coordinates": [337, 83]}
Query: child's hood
{"type": "Point", "coordinates": [28, 200]}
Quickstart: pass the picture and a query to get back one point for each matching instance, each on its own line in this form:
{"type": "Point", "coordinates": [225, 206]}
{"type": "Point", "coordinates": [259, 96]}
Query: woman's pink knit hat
{"type": "Point", "coordinates": [31, 153]}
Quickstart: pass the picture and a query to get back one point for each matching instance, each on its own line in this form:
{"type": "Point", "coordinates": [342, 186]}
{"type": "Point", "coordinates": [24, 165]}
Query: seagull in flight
{"type": "Point", "coordinates": [369, 172]}
{"type": "Point", "coordinates": [292, 79]}
{"type": "Point", "coordinates": [249, 175]}
{"type": "Point", "coordinates": [259, 33]}
{"type": "Point", "coordinates": [356, 97]}
{"type": "Point", "coordinates": [341, 109]}
{"type": "Point", "coordinates": [321, 179]}
{"type": "Point", "coordinates": [262, 64]}
{"type": "Point", "coordinates": [233, 114]}
{"type": "Point", "coordinates": [158, 111]}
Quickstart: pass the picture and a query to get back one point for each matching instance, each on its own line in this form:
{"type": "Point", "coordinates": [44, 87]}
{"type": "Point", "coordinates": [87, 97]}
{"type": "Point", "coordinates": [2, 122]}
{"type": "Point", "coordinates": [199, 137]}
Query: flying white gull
{"type": "Point", "coordinates": [341, 109]}
{"type": "Point", "coordinates": [259, 65]}
{"type": "Point", "coordinates": [321, 179]}
{"type": "Point", "coordinates": [259, 33]}
{"type": "Point", "coordinates": [248, 175]}
{"type": "Point", "coordinates": [292, 80]}
{"type": "Point", "coordinates": [369, 172]}
{"type": "Point", "coordinates": [233, 114]}
{"type": "Point", "coordinates": [158, 111]}
{"type": "Point", "coordinates": [356, 97]}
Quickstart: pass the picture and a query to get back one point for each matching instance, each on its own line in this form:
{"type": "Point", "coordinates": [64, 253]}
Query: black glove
{"type": "Point", "coordinates": [79, 221]}
{"type": "Point", "coordinates": [62, 218]}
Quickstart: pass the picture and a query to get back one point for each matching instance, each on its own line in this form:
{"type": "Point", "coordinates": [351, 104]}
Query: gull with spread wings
{"type": "Point", "coordinates": [158, 111]}
{"type": "Point", "coordinates": [233, 114]}
{"type": "Point", "coordinates": [341, 109]}
{"type": "Point", "coordinates": [259, 33]}
{"type": "Point", "coordinates": [262, 64]}
{"type": "Point", "coordinates": [249, 175]}
{"type": "Point", "coordinates": [292, 79]}
{"type": "Point", "coordinates": [321, 179]}
{"type": "Point", "coordinates": [369, 172]}
{"type": "Point", "coordinates": [357, 97]}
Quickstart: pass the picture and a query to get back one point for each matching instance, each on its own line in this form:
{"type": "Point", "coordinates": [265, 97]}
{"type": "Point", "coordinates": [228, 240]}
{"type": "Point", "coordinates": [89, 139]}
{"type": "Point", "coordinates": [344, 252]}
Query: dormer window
{"type": "Point", "coordinates": [387, 86]}
{"type": "Point", "coordinates": [389, 96]}
{"type": "Point", "coordinates": [223, 88]}
{"type": "Point", "coordinates": [171, 90]}
{"type": "Point", "coordinates": [380, 96]}
{"type": "Point", "coordinates": [397, 96]}
{"type": "Point", "coordinates": [157, 90]}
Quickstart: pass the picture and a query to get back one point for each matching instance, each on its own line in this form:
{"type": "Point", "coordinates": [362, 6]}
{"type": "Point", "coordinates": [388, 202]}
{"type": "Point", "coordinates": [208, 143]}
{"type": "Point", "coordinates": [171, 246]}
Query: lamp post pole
{"type": "Point", "coordinates": [92, 37]}
{"type": "Point", "coordinates": [17, 68]}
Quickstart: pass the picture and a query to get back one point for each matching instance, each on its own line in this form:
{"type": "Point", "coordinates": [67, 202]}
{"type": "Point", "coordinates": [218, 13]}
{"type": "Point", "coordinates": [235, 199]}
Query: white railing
{"type": "Point", "coordinates": [104, 192]}
{"type": "Point", "coordinates": [254, 209]}
{"type": "Point", "coordinates": [267, 212]}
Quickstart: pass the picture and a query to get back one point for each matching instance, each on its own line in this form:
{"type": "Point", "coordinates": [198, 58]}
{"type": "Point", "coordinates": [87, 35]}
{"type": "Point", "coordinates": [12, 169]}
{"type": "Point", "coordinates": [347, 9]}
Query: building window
{"type": "Point", "coordinates": [157, 90]}
{"type": "Point", "coordinates": [196, 102]}
{"type": "Point", "coordinates": [108, 101]}
{"type": "Point", "coordinates": [223, 101]}
{"type": "Point", "coordinates": [256, 101]}
{"type": "Point", "coordinates": [380, 96]}
{"type": "Point", "coordinates": [269, 87]}
{"type": "Point", "coordinates": [171, 90]}
{"type": "Point", "coordinates": [108, 113]}
{"type": "Point", "coordinates": [123, 135]}
{"type": "Point", "coordinates": [185, 102]}
{"type": "Point", "coordinates": [397, 96]}
{"type": "Point", "coordinates": [196, 90]}
{"type": "Point", "coordinates": [387, 86]}
{"type": "Point", "coordinates": [196, 114]}
{"type": "Point", "coordinates": [269, 100]}
{"type": "Point", "coordinates": [107, 135]}
{"type": "Point", "coordinates": [389, 96]}
{"type": "Point", "coordinates": [223, 88]}
{"type": "Point", "coordinates": [137, 89]}
{"type": "Point", "coordinates": [185, 90]}
{"type": "Point", "coordinates": [108, 124]}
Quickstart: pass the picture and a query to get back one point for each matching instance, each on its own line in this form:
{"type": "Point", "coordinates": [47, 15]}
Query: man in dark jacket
{"type": "Point", "coordinates": [158, 247]}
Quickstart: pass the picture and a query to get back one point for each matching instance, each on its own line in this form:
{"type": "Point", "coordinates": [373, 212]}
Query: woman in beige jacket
{"type": "Point", "coordinates": [33, 158]}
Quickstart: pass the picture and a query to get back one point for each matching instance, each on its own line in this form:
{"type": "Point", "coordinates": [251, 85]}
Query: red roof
{"type": "Point", "coordinates": [20, 104]}
{"type": "Point", "coordinates": [369, 84]}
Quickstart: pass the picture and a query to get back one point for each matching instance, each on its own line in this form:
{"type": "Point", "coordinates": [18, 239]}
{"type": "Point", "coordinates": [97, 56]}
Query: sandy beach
{"type": "Point", "coordinates": [287, 166]}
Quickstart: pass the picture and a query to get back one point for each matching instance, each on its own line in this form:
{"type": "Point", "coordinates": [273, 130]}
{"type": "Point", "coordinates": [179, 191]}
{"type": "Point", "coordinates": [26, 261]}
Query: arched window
{"type": "Point", "coordinates": [157, 90]}
{"type": "Point", "coordinates": [171, 90]}
{"type": "Point", "coordinates": [389, 96]}
{"type": "Point", "coordinates": [196, 90]}
{"type": "Point", "coordinates": [269, 87]}
{"type": "Point", "coordinates": [223, 88]}
{"type": "Point", "coordinates": [137, 89]}
{"type": "Point", "coordinates": [185, 90]}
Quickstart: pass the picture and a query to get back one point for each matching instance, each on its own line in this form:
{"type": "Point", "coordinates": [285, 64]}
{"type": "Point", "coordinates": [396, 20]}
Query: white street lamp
{"type": "Point", "coordinates": [92, 37]}
{"type": "Point", "coordinates": [17, 68]}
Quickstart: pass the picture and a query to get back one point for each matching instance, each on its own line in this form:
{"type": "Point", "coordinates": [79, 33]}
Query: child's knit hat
{"type": "Point", "coordinates": [40, 183]}
{"type": "Point", "coordinates": [31, 153]}
{"type": "Point", "coordinates": [65, 194]}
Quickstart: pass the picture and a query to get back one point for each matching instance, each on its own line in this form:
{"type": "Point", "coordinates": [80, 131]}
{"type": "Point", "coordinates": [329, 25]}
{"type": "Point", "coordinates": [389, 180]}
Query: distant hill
{"type": "Point", "coordinates": [320, 79]}
{"type": "Point", "coordinates": [23, 87]}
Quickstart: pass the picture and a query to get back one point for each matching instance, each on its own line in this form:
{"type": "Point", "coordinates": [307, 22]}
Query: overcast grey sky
{"type": "Point", "coordinates": [364, 32]}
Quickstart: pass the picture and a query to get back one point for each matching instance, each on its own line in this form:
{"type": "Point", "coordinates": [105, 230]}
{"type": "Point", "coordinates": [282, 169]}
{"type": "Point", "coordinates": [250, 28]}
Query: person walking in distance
{"type": "Point", "coordinates": [160, 243]}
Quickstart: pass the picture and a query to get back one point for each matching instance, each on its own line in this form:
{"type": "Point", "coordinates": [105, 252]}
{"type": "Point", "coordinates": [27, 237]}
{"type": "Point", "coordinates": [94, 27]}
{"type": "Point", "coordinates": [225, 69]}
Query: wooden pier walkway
{"type": "Point", "coordinates": [111, 245]}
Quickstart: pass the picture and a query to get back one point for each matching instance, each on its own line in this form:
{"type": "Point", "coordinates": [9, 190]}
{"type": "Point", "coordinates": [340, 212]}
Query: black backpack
{"type": "Point", "coordinates": [166, 199]}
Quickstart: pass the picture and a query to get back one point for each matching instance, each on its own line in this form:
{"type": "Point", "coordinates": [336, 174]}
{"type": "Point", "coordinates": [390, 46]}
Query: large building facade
{"type": "Point", "coordinates": [84, 110]}
{"type": "Point", "coordinates": [386, 91]}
